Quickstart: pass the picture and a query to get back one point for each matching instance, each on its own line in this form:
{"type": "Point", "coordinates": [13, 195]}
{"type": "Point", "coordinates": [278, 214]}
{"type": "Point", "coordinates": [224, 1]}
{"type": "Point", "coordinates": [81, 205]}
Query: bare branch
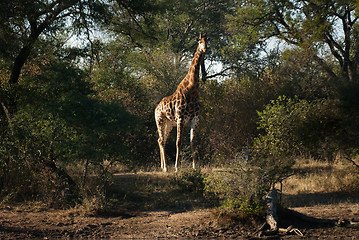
{"type": "Point", "coordinates": [133, 17]}
{"type": "Point", "coordinates": [221, 73]}
{"type": "Point", "coordinates": [350, 160]}
{"type": "Point", "coordinates": [281, 20]}
{"type": "Point", "coordinates": [325, 66]}
{"type": "Point", "coordinates": [332, 45]}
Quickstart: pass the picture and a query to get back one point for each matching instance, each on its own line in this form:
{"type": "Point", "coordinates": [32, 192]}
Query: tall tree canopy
{"type": "Point", "coordinates": [328, 30]}
{"type": "Point", "coordinates": [24, 22]}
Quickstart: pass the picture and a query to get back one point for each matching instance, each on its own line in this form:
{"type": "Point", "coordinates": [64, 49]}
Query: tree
{"type": "Point", "coordinates": [23, 22]}
{"type": "Point", "coordinates": [158, 38]}
{"type": "Point", "coordinates": [328, 29]}
{"type": "Point", "coordinates": [58, 123]}
{"type": "Point", "coordinates": [174, 24]}
{"type": "Point", "coordinates": [50, 116]}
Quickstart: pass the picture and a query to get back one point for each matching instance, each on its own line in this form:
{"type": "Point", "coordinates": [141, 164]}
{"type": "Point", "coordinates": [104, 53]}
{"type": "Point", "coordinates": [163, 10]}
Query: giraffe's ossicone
{"type": "Point", "coordinates": [181, 108]}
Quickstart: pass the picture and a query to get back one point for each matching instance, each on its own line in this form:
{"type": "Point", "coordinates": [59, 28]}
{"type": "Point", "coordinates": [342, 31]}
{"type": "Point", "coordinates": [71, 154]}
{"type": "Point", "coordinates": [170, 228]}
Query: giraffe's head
{"type": "Point", "coordinates": [202, 42]}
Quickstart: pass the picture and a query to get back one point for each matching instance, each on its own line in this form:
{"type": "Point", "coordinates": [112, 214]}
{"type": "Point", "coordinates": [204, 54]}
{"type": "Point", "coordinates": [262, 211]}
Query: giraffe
{"type": "Point", "coordinates": [181, 108]}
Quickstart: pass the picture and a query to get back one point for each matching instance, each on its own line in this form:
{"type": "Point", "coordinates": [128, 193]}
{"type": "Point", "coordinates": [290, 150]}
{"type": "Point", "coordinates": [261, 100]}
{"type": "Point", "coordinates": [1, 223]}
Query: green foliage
{"type": "Point", "coordinates": [229, 110]}
{"type": "Point", "coordinates": [174, 24]}
{"type": "Point", "coordinates": [293, 127]}
{"type": "Point", "coordinates": [309, 25]}
{"type": "Point", "coordinates": [63, 92]}
{"type": "Point", "coordinates": [290, 127]}
{"type": "Point", "coordinates": [242, 190]}
{"type": "Point", "coordinates": [58, 122]}
{"type": "Point", "coordinates": [191, 180]}
{"type": "Point", "coordinates": [278, 120]}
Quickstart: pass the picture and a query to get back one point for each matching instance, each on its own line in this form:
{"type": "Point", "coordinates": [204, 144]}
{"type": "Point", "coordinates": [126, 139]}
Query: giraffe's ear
{"type": "Point", "coordinates": [200, 35]}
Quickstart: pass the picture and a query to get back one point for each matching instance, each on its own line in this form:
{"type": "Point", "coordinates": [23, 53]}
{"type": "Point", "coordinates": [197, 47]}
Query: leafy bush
{"type": "Point", "coordinates": [57, 122]}
{"type": "Point", "coordinates": [293, 127]}
{"type": "Point", "coordinates": [241, 187]}
{"type": "Point", "coordinates": [289, 127]}
{"type": "Point", "coordinates": [191, 180]}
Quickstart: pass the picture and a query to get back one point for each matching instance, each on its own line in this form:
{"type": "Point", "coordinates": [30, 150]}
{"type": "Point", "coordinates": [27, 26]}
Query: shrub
{"type": "Point", "coordinates": [191, 180]}
{"type": "Point", "coordinates": [57, 122]}
{"type": "Point", "coordinates": [292, 127]}
{"type": "Point", "coordinates": [242, 188]}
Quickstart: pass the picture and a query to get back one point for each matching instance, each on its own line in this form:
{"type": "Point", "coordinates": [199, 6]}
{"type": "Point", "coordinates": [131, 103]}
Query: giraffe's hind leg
{"type": "Point", "coordinates": [164, 127]}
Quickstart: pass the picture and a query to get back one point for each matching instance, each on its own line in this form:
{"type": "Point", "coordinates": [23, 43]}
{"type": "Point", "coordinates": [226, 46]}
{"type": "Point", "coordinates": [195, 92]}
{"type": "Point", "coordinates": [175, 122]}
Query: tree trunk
{"type": "Point", "coordinates": [19, 63]}
{"type": "Point", "coordinates": [272, 218]}
{"type": "Point", "coordinates": [63, 175]}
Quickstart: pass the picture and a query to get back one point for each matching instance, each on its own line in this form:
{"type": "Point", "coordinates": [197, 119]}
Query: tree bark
{"type": "Point", "coordinates": [272, 217]}
{"type": "Point", "coordinates": [19, 63]}
{"type": "Point", "coordinates": [62, 174]}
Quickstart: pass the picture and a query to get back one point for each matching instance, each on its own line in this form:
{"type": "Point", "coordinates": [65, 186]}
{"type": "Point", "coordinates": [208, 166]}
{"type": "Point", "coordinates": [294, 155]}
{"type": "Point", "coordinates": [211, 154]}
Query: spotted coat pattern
{"type": "Point", "coordinates": [181, 108]}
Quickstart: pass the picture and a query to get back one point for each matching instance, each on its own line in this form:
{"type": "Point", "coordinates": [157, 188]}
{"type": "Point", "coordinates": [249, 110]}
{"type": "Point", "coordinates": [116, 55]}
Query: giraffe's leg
{"type": "Point", "coordinates": [180, 126]}
{"type": "Point", "coordinates": [164, 127]}
{"type": "Point", "coordinates": [160, 122]}
{"type": "Point", "coordinates": [162, 154]}
{"type": "Point", "coordinates": [168, 128]}
{"type": "Point", "coordinates": [194, 125]}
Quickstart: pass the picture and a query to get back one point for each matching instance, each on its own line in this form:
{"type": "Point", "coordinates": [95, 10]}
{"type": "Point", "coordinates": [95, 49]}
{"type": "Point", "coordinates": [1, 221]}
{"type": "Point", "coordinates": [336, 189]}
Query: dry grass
{"type": "Point", "coordinates": [321, 182]}
{"type": "Point", "coordinates": [321, 176]}
{"type": "Point", "coordinates": [314, 182]}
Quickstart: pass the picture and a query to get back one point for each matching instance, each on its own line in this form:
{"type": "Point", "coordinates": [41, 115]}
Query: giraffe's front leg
{"type": "Point", "coordinates": [162, 155]}
{"type": "Point", "coordinates": [194, 125]}
{"type": "Point", "coordinates": [180, 126]}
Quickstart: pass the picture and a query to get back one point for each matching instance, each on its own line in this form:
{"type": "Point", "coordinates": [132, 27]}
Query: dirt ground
{"type": "Point", "coordinates": [168, 220]}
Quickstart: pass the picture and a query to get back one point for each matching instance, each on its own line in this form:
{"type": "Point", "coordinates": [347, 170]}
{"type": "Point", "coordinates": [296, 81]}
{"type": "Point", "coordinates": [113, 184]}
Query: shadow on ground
{"type": "Point", "coordinates": [157, 192]}
{"type": "Point", "coordinates": [314, 199]}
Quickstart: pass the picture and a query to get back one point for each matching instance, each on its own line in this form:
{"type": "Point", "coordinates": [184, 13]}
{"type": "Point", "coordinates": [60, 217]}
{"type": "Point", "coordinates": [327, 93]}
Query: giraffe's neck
{"type": "Point", "coordinates": [193, 72]}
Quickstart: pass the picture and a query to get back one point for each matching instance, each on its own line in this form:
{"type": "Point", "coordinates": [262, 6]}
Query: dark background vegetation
{"type": "Point", "coordinates": [80, 80]}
